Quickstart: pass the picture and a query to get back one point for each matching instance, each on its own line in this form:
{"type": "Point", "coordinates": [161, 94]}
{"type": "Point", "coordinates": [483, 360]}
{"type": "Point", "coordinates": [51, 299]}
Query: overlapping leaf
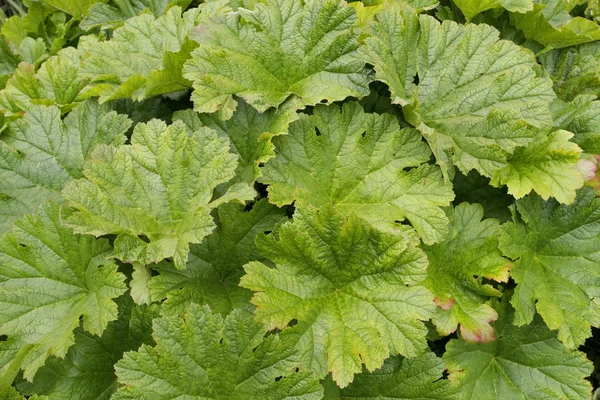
{"type": "Point", "coordinates": [281, 47]}
{"type": "Point", "coordinates": [51, 278]}
{"type": "Point", "coordinates": [155, 194]}
{"type": "Point", "coordinates": [58, 82]}
{"type": "Point", "coordinates": [201, 355]}
{"type": "Point", "coordinates": [526, 362]}
{"type": "Point", "coordinates": [87, 371]}
{"type": "Point", "coordinates": [551, 24]}
{"type": "Point", "coordinates": [582, 117]}
{"type": "Point", "coordinates": [105, 16]}
{"type": "Point", "coordinates": [471, 8]}
{"type": "Point", "coordinates": [457, 266]}
{"type": "Point", "coordinates": [360, 163]}
{"type": "Point", "coordinates": [574, 70]}
{"type": "Point", "coordinates": [214, 268]}
{"type": "Point", "coordinates": [402, 378]}
{"type": "Point", "coordinates": [557, 251]}
{"type": "Point", "coordinates": [40, 153]}
{"type": "Point", "coordinates": [478, 102]}
{"type": "Point", "coordinates": [249, 133]}
{"type": "Point", "coordinates": [353, 291]}
{"type": "Point", "coordinates": [143, 58]}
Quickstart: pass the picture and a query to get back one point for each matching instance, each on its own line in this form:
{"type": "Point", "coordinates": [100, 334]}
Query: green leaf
{"type": "Point", "coordinates": [360, 163]}
{"type": "Point", "coordinates": [282, 47]}
{"type": "Point", "coordinates": [200, 355]}
{"type": "Point", "coordinates": [87, 371]}
{"type": "Point", "coordinates": [391, 47]}
{"type": "Point", "coordinates": [58, 82]}
{"type": "Point", "coordinates": [49, 279]}
{"type": "Point", "coordinates": [10, 393]}
{"type": "Point", "coordinates": [457, 266]}
{"type": "Point", "coordinates": [574, 70]}
{"type": "Point", "coordinates": [402, 378]}
{"type": "Point", "coordinates": [525, 363]}
{"type": "Point", "coordinates": [352, 289]}
{"type": "Point", "coordinates": [155, 194]}
{"type": "Point", "coordinates": [550, 24]}
{"type": "Point", "coordinates": [548, 166]}
{"type": "Point", "coordinates": [471, 8]}
{"type": "Point", "coordinates": [249, 133]}
{"type": "Point", "coordinates": [8, 61]}
{"type": "Point", "coordinates": [582, 117]}
{"type": "Point", "coordinates": [103, 16]}
{"type": "Point", "coordinates": [557, 249]}
{"type": "Point", "coordinates": [143, 58]}
{"type": "Point", "coordinates": [40, 153]}
{"type": "Point", "coordinates": [214, 268]}
{"type": "Point", "coordinates": [74, 8]}
{"type": "Point", "coordinates": [478, 98]}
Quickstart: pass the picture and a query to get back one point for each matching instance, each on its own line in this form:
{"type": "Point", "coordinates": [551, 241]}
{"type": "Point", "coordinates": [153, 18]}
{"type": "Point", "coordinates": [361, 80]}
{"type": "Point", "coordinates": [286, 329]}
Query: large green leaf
{"type": "Point", "coordinates": [457, 266]}
{"type": "Point", "coordinates": [155, 194]}
{"type": "Point", "coordinates": [479, 101]}
{"type": "Point", "coordinates": [143, 58]}
{"type": "Point", "coordinates": [281, 47]}
{"type": "Point", "coordinates": [214, 267]}
{"type": "Point", "coordinates": [401, 379]}
{"type": "Point", "coordinates": [525, 363]}
{"type": "Point", "coordinates": [50, 280]}
{"type": "Point", "coordinates": [87, 371]}
{"type": "Point", "coordinates": [249, 133]}
{"type": "Point", "coordinates": [200, 355]}
{"type": "Point", "coordinates": [574, 70]}
{"type": "Point", "coordinates": [40, 153]}
{"type": "Point", "coordinates": [557, 251]}
{"type": "Point", "coordinates": [551, 24]}
{"type": "Point", "coordinates": [471, 8]}
{"type": "Point", "coordinates": [58, 82]}
{"type": "Point", "coordinates": [353, 291]}
{"type": "Point", "coordinates": [361, 163]}
{"type": "Point", "coordinates": [582, 117]}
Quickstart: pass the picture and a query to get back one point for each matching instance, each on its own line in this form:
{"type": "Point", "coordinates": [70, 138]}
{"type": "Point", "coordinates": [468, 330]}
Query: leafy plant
{"type": "Point", "coordinates": [299, 199]}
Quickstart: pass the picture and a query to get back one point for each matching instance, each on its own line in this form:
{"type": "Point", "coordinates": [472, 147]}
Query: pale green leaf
{"type": "Point", "coordinates": [361, 163]}
{"type": "Point", "coordinates": [74, 8]}
{"type": "Point", "coordinates": [50, 278]}
{"type": "Point", "coordinates": [156, 193]}
{"type": "Point", "coordinates": [548, 166]}
{"type": "Point", "coordinates": [457, 266]}
{"type": "Point", "coordinates": [402, 379]}
{"type": "Point", "coordinates": [525, 363]}
{"type": "Point", "coordinates": [556, 249]}
{"type": "Point", "coordinates": [200, 355]}
{"type": "Point", "coordinates": [550, 24]}
{"type": "Point", "coordinates": [471, 8]}
{"type": "Point", "coordinates": [282, 47]}
{"type": "Point", "coordinates": [249, 133]}
{"type": "Point", "coordinates": [103, 16]}
{"type": "Point", "coordinates": [40, 153]}
{"type": "Point", "coordinates": [353, 291]}
{"type": "Point", "coordinates": [87, 371]}
{"type": "Point", "coordinates": [582, 117]}
{"type": "Point", "coordinates": [574, 70]}
{"type": "Point", "coordinates": [143, 58]}
{"type": "Point", "coordinates": [10, 393]}
{"type": "Point", "coordinates": [391, 46]}
{"type": "Point", "coordinates": [214, 267]}
{"type": "Point", "coordinates": [58, 82]}
{"type": "Point", "coordinates": [478, 98]}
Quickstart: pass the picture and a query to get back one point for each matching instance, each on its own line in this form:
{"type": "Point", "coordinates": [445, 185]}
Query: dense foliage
{"type": "Point", "coordinates": [299, 199]}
